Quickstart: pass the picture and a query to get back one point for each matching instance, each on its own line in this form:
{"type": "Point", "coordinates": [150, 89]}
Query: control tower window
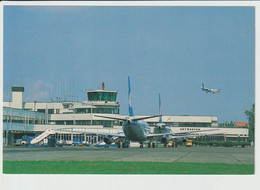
{"type": "Point", "coordinates": [102, 96]}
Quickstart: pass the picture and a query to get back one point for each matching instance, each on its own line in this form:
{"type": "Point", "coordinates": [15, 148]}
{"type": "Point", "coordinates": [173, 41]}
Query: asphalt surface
{"type": "Point", "coordinates": [180, 154]}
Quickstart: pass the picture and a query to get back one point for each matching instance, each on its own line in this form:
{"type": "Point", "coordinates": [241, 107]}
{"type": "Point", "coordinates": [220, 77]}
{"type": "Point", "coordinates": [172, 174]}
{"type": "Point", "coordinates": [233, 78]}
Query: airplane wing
{"type": "Point", "coordinates": [181, 134]}
{"type": "Point", "coordinates": [194, 135]}
{"type": "Point", "coordinates": [187, 136]}
{"type": "Point", "coordinates": [108, 117]}
{"type": "Point", "coordinates": [125, 119]}
{"type": "Point", "coordinates": [158, 135]}
{"type": "Point", "coordinates": [147, 117]}
{"type": "Point", "coordinates": [195, 131]}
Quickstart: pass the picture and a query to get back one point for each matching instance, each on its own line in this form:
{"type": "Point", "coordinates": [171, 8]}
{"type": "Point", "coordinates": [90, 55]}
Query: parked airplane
{"type": "Point", "coordinates": [162, 128]}
{"type": "Point", "coordinates": [135, 129]}
{"type": "Point", "coordinates": [209, 90]}
{"type": "Point", "coordinates": [168, 135]}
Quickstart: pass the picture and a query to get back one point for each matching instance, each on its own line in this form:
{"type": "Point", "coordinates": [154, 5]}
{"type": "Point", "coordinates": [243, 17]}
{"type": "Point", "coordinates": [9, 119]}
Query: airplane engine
{"type": "Point", "coordinates": [108, 140]}
{"type": "Point", "coordinates": [165, 139]}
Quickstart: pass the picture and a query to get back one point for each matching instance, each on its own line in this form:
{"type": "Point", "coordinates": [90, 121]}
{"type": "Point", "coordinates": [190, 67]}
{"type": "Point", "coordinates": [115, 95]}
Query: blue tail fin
{"type": "Point", "coordinates": [131, 113]}
{"type": "Point", "coordinates": [202, 85]}
{"type": "Point", "coordinates": [160, 111]}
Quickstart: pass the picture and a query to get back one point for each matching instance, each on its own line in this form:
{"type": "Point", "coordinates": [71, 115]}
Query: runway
{"type": "Point", "coordinates": [180, 154]}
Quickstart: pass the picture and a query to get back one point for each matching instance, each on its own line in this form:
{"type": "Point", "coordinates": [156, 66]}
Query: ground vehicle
{"type": "Point", "coordinates": [188, 143]}
{"type": "Point", "coordinates": [170, 144]}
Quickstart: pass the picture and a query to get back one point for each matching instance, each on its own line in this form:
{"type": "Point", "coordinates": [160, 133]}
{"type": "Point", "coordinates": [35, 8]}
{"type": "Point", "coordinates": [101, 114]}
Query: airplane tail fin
{"type": "Point", "coordinates": [160, 110]}
{"type": "Point", "coordinates": [131, 113]}
{"type": "Point", "coordinates": [202, 86]}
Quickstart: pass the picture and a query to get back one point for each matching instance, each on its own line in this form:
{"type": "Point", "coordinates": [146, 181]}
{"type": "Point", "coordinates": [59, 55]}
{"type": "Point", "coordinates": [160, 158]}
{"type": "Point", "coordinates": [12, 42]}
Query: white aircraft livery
{"type": "Point", "coordinates": [209, 90]}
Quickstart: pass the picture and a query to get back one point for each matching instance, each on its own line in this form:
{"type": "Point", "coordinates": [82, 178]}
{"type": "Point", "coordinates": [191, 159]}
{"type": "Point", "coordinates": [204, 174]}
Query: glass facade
{"type": "Point", "coordinates": [106, 110]}
{"type": "Point", "coordinates": [98, 110]}
{"type": "Point", "coordinates": [41, 110]}
{"type": "Point", "coordinates": [66, 122]}
{"type": "Point", "coordinates": [83, 110]}
{"type": "Point", "coordinates": [102, 96]}
{"type": "Point", "coordinates": [83, 122]}
{"type": "Point", "coordinates": [105, 123]}
{"type": "Point", "coordinates": [12, 115]}
{"type": "Point", "coordinates": [188, 124]}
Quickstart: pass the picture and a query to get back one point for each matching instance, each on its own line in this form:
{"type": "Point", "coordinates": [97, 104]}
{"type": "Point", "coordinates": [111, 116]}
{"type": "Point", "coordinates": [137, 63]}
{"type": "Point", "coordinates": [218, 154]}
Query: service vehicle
{"type": "Point", "coordinates": [188, 143]}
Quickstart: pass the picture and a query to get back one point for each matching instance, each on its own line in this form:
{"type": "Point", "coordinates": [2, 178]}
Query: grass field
{"type": "Point", "coordinates": [117, 167]}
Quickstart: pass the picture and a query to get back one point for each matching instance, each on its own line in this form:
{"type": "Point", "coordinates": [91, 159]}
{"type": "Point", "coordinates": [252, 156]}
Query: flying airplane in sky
{"type": "Point", "coordinates": [209, 90]}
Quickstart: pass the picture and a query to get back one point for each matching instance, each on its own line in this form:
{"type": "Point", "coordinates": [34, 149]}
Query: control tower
{"type": "Point", "coordinates": [103, 101]}
{"type": "Point", "coordinates": [102, 95]}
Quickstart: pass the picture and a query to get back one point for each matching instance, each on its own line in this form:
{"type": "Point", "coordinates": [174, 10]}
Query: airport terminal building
{"type": "Point", "coordinates": [32, 118]}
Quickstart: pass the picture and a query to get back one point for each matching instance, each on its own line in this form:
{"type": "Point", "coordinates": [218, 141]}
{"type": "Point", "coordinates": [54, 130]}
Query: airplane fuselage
{"type": "Point", "coordinates": [161, 128]}
{"type": "Point", "coordinates": [136, 130]}
{"type": "Point", "coordinates": [209, 90]}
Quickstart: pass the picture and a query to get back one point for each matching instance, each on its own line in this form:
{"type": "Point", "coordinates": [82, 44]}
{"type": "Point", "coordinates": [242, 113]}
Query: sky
{"type": "Point", "coordinates": [166, 50]}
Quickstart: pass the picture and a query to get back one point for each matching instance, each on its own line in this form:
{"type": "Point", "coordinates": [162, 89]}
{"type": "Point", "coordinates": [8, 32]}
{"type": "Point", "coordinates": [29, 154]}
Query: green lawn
{"type": "Point", "coordinates": [117, 167]}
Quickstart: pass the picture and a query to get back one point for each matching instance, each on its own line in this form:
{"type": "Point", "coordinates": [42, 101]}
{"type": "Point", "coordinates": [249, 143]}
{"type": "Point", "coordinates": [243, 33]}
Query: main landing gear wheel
{"type": "Point", "coordinates": [149, 145]}
{"type": "Point", "coordinates": [124, 145]}
{"type": "Point", "coordinates": [165, 145]}
{"type": "Point", "coordinates": [153, 145]}
{"type": "Point", "coordinates": [119, 145]}
{"type": "Point", "coordinates": [141, 146]}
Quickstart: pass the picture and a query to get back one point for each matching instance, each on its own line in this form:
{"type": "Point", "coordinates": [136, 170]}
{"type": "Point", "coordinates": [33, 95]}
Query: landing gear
{"type": "Point", "coordinates": [141, 146]}
{"type": "Point", "coordinates": [165, 145]}
{"type": "Point", "coordinates": [151, 144]}
{"type": "Point", "coordinates": [119, 144]}
{"type": "Point", "coordinates": [125, 144]}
